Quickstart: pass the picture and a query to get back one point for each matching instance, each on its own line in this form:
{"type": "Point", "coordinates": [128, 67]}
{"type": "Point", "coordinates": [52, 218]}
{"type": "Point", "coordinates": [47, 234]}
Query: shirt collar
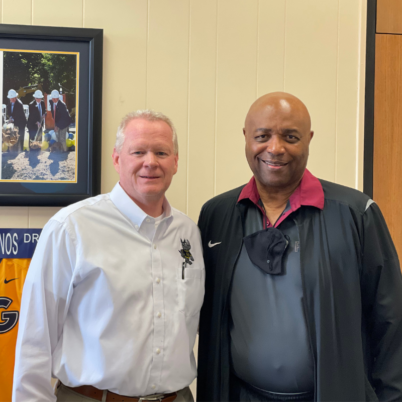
{"type": "Point", "coordinates": [309, 192]}
{"type": "Point", "coordinates": [131, 210]}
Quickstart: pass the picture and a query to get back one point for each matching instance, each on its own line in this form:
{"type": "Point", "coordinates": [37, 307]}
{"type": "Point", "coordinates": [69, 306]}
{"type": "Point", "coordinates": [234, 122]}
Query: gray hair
{"type": "Point", "coordinates": [149, 115]}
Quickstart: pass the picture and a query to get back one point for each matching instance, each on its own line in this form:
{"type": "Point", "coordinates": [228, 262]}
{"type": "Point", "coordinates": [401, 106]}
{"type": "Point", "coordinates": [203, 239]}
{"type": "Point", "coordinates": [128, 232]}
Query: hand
{"type": "Point", "coordinates": [56, 129]}
{"type": "Point", "coordinates": [11, 119]}
{"type": "Point", "coordinates": [38, 124]}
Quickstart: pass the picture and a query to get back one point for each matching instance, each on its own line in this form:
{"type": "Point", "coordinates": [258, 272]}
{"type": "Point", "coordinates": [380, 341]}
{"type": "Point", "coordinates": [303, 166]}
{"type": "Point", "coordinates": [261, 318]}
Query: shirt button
{"type": "Point", "coordinates": [147, 220]}
{"type": "Point", "coordinates": [158, 314]}
{"type": "Point", "coordinates": [155, 246]}
{"type": "Point", "coordinates": [136, 226]}
{"type": "Point", "coordinates": [157, 280]}
{"type": "Point", "coordinates": [153, 386]}
{"type": "Point", "coordinates": [157, 351]}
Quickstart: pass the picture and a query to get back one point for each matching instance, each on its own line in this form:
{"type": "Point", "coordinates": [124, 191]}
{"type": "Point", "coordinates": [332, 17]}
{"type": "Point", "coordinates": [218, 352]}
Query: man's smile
{"type": "Point", "coordinates": [273, 164]}
{"type": "Point", "coordinates": [149, 177]}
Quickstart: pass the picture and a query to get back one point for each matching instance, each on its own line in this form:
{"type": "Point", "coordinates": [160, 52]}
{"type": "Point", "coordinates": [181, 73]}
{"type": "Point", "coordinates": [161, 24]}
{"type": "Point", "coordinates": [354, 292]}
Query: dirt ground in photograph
{"type": "Point", "coordinates": [38, 165]}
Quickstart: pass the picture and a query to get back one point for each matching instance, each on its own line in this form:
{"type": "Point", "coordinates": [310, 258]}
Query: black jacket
{"type": "Point", "coordinates": [63, 119]}
{"type": "Point", "coordinates": [18, 114]}
{"type": "Point", "coordinates": [352, 288]}
{"type": "Point", "coordinates": [34, 115]}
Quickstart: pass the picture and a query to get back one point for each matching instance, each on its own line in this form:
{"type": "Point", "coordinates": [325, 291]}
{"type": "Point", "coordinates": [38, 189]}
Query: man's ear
{"type": "Point", "coordinates": [116, 160]}
{"type": "Point", "coordinates": [311, 135]}
{"type": "Point", "coordinates": [244, 131]}
{"type": "Point", "coordinates": [176, 157]}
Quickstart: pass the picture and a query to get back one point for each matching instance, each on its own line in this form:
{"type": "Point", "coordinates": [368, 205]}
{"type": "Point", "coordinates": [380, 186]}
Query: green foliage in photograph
{"type": "Point", "coordinates": [27, 72]}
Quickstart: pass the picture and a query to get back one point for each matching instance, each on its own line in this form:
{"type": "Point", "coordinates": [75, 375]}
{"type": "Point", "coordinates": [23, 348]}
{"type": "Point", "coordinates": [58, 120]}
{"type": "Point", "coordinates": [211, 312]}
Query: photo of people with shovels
{"type": "Point", "coordinates": [39, 127]}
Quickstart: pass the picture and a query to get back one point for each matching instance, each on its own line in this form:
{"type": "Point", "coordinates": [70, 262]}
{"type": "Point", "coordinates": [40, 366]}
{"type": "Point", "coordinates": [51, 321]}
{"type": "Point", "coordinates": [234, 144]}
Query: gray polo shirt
{"type": "Point", "coordinates": [269, 340]}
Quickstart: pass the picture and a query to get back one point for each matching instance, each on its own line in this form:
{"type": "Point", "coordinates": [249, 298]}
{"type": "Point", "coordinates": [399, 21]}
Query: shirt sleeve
{"type": "Point", "coordinates": [382, 306]}
{"type": "Point", "coordinates": [45, 299]}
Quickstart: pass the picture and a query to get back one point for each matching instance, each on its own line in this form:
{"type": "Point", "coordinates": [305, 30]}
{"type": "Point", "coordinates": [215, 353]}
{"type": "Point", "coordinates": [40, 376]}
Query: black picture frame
{"type": "Point", "coordinates": [89, 44]}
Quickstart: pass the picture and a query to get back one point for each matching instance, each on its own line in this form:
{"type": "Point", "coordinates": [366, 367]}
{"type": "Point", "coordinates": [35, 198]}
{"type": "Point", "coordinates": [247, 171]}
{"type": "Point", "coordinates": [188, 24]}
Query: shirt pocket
{"type": "Point", "coordinates": [191, 291]}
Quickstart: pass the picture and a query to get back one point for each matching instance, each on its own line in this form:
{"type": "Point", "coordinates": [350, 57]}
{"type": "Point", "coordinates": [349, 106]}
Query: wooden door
{"type": "Point", "coordinates": [387, 175]}
{"type": "Point", "coordinates": [387, 169]}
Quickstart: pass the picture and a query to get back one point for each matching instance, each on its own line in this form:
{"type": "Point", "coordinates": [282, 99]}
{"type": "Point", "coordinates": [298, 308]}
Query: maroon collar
{"type": "Point", "coordinates": [309, 192]}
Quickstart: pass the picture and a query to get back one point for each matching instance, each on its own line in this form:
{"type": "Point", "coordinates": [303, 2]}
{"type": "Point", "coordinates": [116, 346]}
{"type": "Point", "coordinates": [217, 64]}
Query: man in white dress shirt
{"type": "Point", "coordinates": [111, 301]}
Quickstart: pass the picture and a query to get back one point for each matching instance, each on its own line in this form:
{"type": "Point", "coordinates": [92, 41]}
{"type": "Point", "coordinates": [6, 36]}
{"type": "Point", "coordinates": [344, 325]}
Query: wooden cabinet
{"type": "Point", "coordinates": [387, 171]}
{"type": "Point", "coordinates": [389, 16]}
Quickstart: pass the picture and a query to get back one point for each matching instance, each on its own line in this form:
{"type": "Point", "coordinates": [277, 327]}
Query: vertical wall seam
{"type": "Point", "coordinates": [360, 65]}
{"type": "Point", "coordinates": [284, 45]}
{"type": "Point", "coordinates": [146, 55]}
{"type": "Point", "coordinates": [188, 110]}
{"type": "Point", "coordinates": [83, 13]}
{"type": "Point", "coordinates": [32, 19]}
{"type": "Point", "coordinates": [216, 95]}
{"type": "Point", "coordinates": [337, 94]}
{"type": "Point", "coordinates": [258, 50]}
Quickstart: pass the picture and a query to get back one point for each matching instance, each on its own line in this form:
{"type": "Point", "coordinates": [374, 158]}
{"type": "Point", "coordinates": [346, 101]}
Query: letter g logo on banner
{"type": "Point", "coordinates": [9, 318]}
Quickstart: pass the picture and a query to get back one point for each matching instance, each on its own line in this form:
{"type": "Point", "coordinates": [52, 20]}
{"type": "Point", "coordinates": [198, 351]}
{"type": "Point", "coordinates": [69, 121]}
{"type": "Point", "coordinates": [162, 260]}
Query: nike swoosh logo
{"type": "Point", "coordinates": [6, 281]}
{"type": "Point", "coordinates": [210, 245]}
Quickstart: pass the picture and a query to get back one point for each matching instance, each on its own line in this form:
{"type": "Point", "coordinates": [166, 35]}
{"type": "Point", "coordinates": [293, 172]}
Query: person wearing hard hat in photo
{"type": "Point", "coordinates": [36, 118]}
{"type": "Point", "coordinates": [16, 115]}
{"type": "Point", "coordinates": [61, 118]}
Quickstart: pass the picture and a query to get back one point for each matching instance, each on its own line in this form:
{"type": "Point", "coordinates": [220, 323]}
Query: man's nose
{"type": "Point", "coordinates": [275, 145]}
{"type": "Point", "coordinates": [150, 159]}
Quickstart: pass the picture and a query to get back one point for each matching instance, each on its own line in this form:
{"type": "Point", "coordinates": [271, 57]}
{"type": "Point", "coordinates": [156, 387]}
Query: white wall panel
{"type": "Point", "coordinates": [17, 12]}
{"type": "Point", "coordinates": [13, 217]}
{"type": "Point", "coordinates": [236, 88]}
{"type": "Point", "coordinates": [271, 46]}
{"type": "Point", "coordinates": [58, 13]}
{"type": "Point", "coordinates": [39, 216]}
{"type": "Point", "coordinates": [124, 68]}
{"type": "Point", "coordinates": [167, 78]}
{"type": "Point", "coordinates": [361, 89]}
{"type": "Point", "coordinates": [347, 122]}
{"type": "Point", "coordinates": [201, 105]}
{"type": "Point", "coordinates": [311, 64]}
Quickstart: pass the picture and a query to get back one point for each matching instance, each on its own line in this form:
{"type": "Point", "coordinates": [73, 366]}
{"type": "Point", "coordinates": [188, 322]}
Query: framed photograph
{"type": "Point", "coordinates": [51, 99]}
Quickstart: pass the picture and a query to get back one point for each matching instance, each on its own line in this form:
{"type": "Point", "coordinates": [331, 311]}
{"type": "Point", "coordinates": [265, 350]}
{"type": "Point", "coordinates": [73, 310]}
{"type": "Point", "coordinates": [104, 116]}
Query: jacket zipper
{"type": "Point", "coordinates": [222, 337]}
{"type": "Point", "coordinates": [305, 310]}
{"type": "Point", "coordinates": [222, 334]}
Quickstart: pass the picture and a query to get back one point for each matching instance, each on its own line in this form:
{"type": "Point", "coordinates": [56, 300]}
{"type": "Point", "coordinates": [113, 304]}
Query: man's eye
{"type": "Point", "coordinates": [292, 138]}
{"type": "Point", "coordinates": [161, 153]}
{"type": "Point", "coordinates": [261, 137]}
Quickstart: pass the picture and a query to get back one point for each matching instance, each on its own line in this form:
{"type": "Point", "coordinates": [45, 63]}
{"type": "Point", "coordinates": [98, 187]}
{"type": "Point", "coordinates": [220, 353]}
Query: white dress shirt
{"type": "Point", "coordinates": [104, 302]}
